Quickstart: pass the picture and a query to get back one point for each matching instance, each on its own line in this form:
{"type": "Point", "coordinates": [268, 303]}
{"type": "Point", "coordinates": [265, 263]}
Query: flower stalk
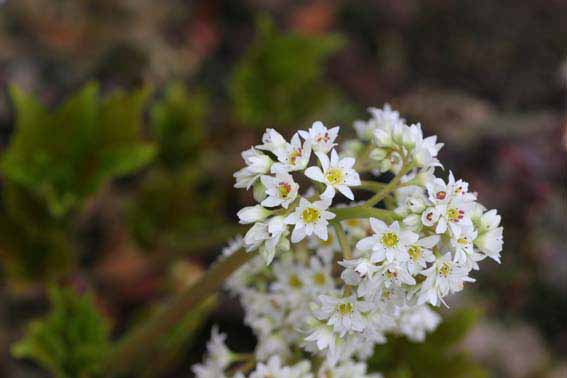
{"type": "Point", "coordinates": [138, 343]}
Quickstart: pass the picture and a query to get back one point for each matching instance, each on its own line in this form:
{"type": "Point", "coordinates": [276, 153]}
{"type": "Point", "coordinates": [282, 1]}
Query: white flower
{"type": "Point", "coordinates": [277, 230]}
{"type": "Point", "coordinates": [268, 237]}
{"type": "Point", "coordinates": [489, 240]}
{"type": "Point", "coordinates": [342, 313]}
{"type": "Point", "coordinates": [310, 218]}
{"type": "Point", "coordinates": [442, 278]}
{"type": "Point", "coordinates": [420, 253]}
{"type": "Point", "coordinates": [490, 243]}
{"type": "Point", "coordinates": [217, 349]}
{"type": "Point", "coordinates": [388, 242]}
{"type": "Point", "coordinates": [362, 266]}
{"type": "Point", "coordinates": [415, 322]}
{"type": "Point", "coordinates": [218, 359]}
{"type": "Point", "coordinates": [257, 164]}
{"type": "Point", "coordinates": [321, 335]}
{"type": "Point", "coordinates": [346, 369]}
{"type": "Point", "coordinates": [281, 190]}
{"type": "Point", "coordinates": [272, 344]}
{"type": "Point", "coordinates": [289, 278]}
{"type": "Point", "coordinates": [452, 205]}
{"type": "Point", "coordinates": [208, 370]}
{"type": "Point", "coordinates": [273, 368]}
{"type": "Point", "coordinates": [273, 141]}
{"type": "Point", "coordinates": [453, 216]}
{"type": "Point", "coordinates": [293, 157]}
{"type": "Point", "coordinates": [395, 274]}
{"type": "Point", "coordinates": [336, 174]}
{"type": "Point", "coordinates": [326, 249]}
{"type": "Point", "coordinates": [233, 246]}
{"type": "Point", "coordinates": [489, 221]}
{"type": "Point", "coordinates": [319, 276]}
{"type": "Point", "coordinates": [424, 151]}
{"type": "Point", "coordinates": [381, 118]}
{"type": "Point", "coordinates": [255, 236]}
{"type": "Point", "coordinates": [320, 137]}
{"type": "Point", "coordinates": [252, 214]}
{"type": "Point", "coordinates": [462, 244]}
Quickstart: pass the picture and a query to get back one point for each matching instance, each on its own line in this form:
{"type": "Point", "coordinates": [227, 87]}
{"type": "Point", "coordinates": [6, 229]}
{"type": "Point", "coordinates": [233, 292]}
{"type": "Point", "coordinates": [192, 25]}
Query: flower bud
{"type": "Point", "coordinates": [259, 191]}
{"type": "Point", "coordinates": [252, 214]}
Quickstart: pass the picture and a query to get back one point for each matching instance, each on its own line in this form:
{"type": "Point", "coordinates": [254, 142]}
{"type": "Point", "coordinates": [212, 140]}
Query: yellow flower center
{"type": "Point", "coordinates": [414, 252]}
{"type": "Point", "coordinates": [345, 308]}
{"type": "Point", "coordinates": [389, 239]}
{"type": "Point", "coordinates": [334, 176]}
{"type": "Point", "coordinates": [310, 215]}
{"type": "Point", "coordinates": [391, 274]}
{"type": "Point", "coordinates": [445, 270]}
{"type": "Point", "coordinates": [319, 279]}
{"type": "Point", "coordinates": [294, 155]}
{"type": "Point", "coordinates": [463, 241]}
{"type": "Point", "coordinates": [284, 189]}
{"type": "Point", "coordinates": [454, 215]}
{"type": "Point", "coordinates": [295, 282]}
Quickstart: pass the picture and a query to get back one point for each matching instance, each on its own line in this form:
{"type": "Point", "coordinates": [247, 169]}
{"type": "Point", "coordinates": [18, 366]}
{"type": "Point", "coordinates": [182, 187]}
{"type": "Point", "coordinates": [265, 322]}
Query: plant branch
{"type": "Point", "coordinates": [392, 185]}
{"type": "Point", "coordinates": [363, 211]}
{"type": "Point", "coordinates": [138, 343]}
{"type": "Point", "coordinates": [372, 186]}
{"type": "Point", "coordinates": [343, 242]}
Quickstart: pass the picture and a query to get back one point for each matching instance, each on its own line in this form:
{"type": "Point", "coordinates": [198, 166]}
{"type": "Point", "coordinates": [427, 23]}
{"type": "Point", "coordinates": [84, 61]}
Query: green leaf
{"type": "Point", "coordinates": [178, 123]}
{"type": "Point", "coordinates": [175, 205]}
{"type": "Point", "coordinates": [33, 245]}
{"type": "Point", "coordinates": [71, 341]}
{"type": "Point", "coordinates": [280, 79]}
{"type": "Point", "coordinates": [66, 155]}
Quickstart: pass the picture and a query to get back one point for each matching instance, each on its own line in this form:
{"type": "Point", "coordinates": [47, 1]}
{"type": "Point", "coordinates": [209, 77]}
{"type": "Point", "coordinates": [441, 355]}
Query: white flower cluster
{"type": "Point", "coordinates": [356, 273]}
{"type": "Point", "coordinates": [269, 169]}
{"type": "Point", "coordinates": [220, 359]}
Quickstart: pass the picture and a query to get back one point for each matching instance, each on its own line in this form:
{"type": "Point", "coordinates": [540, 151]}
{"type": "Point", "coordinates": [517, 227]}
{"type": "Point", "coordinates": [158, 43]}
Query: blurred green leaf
{"type": "Point", "coordinates": [173, 205]}
{"type": "Point", "coordinates": [34, 255]}
{"type": "Point", "coordinates": [178, 123]}
{"type": "Point", "coordinates": [280, 79]}
{"type": "Point", "coordinates": [66, 155]}
{"type": "Point", "coordinates": [436, 357]}
{"type": "Point", "coordinates": [71, 341]}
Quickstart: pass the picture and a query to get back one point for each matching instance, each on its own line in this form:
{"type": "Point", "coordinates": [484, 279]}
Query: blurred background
{"type": "Point", "coordinates": [121, 123]}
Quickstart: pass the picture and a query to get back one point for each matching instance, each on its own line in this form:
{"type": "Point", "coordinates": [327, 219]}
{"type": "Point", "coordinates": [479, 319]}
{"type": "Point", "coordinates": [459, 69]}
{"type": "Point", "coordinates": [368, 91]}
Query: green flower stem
{"type": "Point", "coordinates": [138, 343]}
{"type": "Point", "coordinates": [371, 186]}
{"type": "Point", "coordinates": [392, 185]}
{"type": "Point", "coordinates": [347, 251]}
{"type": "Point", "coordinates": [363, 211]}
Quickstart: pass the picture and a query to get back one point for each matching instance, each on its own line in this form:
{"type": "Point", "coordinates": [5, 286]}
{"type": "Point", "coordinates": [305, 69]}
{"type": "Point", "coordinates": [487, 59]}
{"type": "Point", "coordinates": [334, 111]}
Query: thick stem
{"type": "Point", "coordinates": [392, 185]}
{"type": "Point", "coordinates": [363, 211]}
{"type": "Point", "coordinates": [138, 343]}
{"type": "Point", "coordinates": [343, 242]}
{"type": "Point", "coordinates": [371, 186]}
